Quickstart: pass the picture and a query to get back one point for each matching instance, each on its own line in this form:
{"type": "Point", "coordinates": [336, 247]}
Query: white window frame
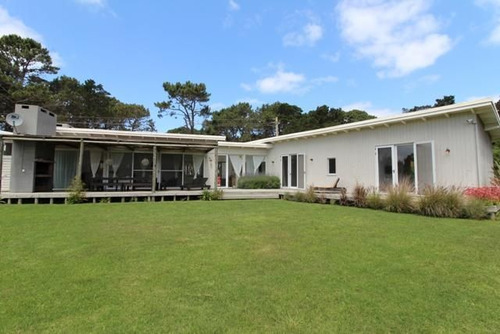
{"type": "Point", "coordinates": [328, 166]}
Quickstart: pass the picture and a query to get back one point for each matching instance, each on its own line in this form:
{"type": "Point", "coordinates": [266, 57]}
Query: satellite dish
{"type": "Point", "coordinates": [14, 119]}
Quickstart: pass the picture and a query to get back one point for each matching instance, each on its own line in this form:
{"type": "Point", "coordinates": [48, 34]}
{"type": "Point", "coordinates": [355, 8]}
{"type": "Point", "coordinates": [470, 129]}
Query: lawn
{"type": "Point", "coordinates": [244, 267]}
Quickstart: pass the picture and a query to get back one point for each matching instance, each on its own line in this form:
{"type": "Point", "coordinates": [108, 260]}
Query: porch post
{"type": "Point", "coordinates": [153, 179]}
{"type": "Point", "coordinates": [216, 170]}
{"type": "Point", "coordinates": [80, 160]}
{"type": "Point", "coordinates": [1, 161]}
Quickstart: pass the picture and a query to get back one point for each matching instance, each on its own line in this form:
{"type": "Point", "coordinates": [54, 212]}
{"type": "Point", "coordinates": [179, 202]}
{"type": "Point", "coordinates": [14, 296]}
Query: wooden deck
{"type": "Point", "coordinates": [136, 196]}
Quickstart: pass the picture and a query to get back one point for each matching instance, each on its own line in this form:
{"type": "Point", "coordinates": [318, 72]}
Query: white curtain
{"type": "Point", "coordinates": [257, 160]}
{"type": "Point", "coordinates": [65, 163]}
{"type": "Point", "coordinates": [197, 161]}
{"type": "Point", "coordinates": [237, 162]}
{"type": "Point", "coordinates": [116, 160]}
{"type": "Point", "coordinates": [95, 159]}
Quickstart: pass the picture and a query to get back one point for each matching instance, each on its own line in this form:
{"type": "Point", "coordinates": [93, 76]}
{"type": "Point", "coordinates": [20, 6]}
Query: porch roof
{"type": "Point", "coordinates": [484, 108]}
{"type": "Point", "coordinates": [133, 138]}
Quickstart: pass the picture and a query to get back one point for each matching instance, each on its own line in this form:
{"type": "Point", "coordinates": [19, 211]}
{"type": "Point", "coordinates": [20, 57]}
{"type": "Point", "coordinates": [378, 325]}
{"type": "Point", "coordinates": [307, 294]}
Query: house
{"type": "Point", "coordinates": [445, 146]}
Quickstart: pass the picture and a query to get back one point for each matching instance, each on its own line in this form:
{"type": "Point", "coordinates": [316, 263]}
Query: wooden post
{"type": "Point", "coordinates": [153, 179]}
{"type": "Point", "coordinates": [216, 169]}
{"type": "Point", "coordinates": [80, 160]}
{"type": "Point", "coordinates": [1, 161]}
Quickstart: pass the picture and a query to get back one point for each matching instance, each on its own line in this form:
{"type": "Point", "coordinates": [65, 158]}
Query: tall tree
{"type": "Point", "coordinates": [446, 100]}
{"type": "Point", "coordinates": [89, 105]}
{"type": "Point", "coordinates": [23, 64]}
{"type": "Point", "coordinates": [24, 60]}
{"type": "Point", "coordinates": [187, 100]}
{"type": "Point", "coordinates": [237, 122]}
{"type": "Point", "coordinates": [289, 118]}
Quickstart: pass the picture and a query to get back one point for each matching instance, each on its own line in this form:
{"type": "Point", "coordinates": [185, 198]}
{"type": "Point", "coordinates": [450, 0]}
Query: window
{"type": "Point", "coordinates": [332, 166]}
{"type": "Point", "coordinates": [7, 149]}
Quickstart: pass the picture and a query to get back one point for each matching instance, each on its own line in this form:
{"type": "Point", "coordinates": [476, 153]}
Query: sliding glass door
{"type": "Point", "coordinates": [398, 164]}
{"type": "Point", "coordinates": [293, 171]}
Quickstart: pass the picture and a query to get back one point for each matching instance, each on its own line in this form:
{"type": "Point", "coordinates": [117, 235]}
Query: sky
{"type": "Point", "coordinates": [375, 55]}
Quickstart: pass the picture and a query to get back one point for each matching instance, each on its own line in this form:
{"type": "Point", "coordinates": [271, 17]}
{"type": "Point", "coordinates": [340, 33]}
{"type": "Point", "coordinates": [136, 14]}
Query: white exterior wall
{"type": "Point", "coordinates": [485, 155]}
{"type": "Point", "coordinates": [356, 159]}
{"type": "Point", "coordinates": [6, 170]}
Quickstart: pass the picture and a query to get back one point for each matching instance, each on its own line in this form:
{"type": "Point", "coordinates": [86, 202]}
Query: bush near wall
{"type": "Point", "coordinates": [259, 182]}
{"type": "Point", "coordinates": [491, 195]}
{"type": "Point", "coordinates": [441, 202]}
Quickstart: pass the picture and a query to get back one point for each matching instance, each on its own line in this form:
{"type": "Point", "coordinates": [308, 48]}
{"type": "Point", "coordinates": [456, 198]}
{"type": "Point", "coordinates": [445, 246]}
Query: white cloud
{"type": "Point", "coordinates": [494, 36]}
{"type": "Point", "coordinates": [309, 35]}
{"type": "Point", "coordinates": [331, 57]}
{"type": "Point", "coordinates": [11, 25]}
{"type": "Point", "coordinates": [324, 80]}
{"type": "Point", "coordinates": [246, 87]}
{"type": "Point", "coordinates": [57, 60]}
{"type": "Point", "coordinates": [399, 36]}
{"type": "Point", "coordinates": [494, 97]}
{"type": "Point", "coordinates": [280, 82]}
{"type": "Point", "coordinates": [97, 3]}
{"type": "Point", "coordinates": [368, 107]}
{"type": "Point", "coordinates": [233, 5]}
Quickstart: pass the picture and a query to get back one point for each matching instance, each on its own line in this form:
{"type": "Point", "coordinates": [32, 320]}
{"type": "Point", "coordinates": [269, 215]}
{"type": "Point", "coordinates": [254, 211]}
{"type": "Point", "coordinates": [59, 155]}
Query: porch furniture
{"type": "Point", "coordinates": [335, 189]}
{"type": "Point", "coordinates": [199, 182]}
{"type": "Point", "coordinates": [111, 183]}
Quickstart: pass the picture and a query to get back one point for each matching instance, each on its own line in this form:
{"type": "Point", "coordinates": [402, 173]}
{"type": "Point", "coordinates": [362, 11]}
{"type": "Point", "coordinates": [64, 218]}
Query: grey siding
{"type": "Point", "coordinates": [355, 152]}
{"type": "Point", "coordinates": [22, 172]}
{"type": "Point", "coordinates": [6, 172]}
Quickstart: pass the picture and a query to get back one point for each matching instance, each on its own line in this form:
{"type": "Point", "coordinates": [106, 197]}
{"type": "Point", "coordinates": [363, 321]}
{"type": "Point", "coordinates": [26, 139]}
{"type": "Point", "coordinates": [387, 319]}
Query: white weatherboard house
{"type": "Point", "coordinates": [445, 146]}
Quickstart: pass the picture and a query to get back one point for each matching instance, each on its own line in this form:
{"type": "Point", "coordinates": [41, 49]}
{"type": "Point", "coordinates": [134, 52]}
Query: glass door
{"type": "Point", "coordinates": [410, 164]}
{"type": "Point", "coordinates": [293, 171]}
{"type": "Point", "coordinates": [222, 171]}
{"type": "Point", "coordinates": [284, 171]}
{"type": "Point", "coordinates": [385, 168]}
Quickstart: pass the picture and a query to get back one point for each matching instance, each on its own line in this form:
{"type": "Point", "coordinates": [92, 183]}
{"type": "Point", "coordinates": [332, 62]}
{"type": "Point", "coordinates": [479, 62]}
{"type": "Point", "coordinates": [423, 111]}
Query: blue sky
{"type": "Point", "coordinates": [375, 55]}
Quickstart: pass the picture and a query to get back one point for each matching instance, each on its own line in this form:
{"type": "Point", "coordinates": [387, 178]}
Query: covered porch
{"type": "Point", "coordinates": [110, 162]}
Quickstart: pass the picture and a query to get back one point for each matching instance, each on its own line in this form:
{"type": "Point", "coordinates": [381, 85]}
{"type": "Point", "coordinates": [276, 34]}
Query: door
{"type": "Point", "coordinates": [385, 168]}
{"type": "Point", "coordinates": [398, 164]}
{"type": "Point", "coordinates": [222, 171]}
{"type": "Point", "coordinates": [284, 171]}
{"type": "Point", "coordinates": [293, 171]}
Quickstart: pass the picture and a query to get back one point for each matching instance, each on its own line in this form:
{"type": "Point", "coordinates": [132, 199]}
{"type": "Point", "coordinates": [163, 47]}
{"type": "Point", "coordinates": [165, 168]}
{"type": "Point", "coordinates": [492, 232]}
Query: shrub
{"type": "Point", "coordinates": [473, 208]}
{"type": "Point", "coordinates": [299, 196]}
{"type": "Point", "coordinates": [211, 195]}
{"type": "Point", "coordinates": [310, 195]}
{"type": "Point", "coordinates": [359, 196]}
{"type": "Point", "coordinates": [487, 194]}
{"type": "Point", "coordinates": [343, 200]}
{"type": "Point", "coordinates": [441, 202]}
{"type": "Point", "coordinates": [259, 182]}
{"type": "Point", "coordinates": [375, 201]}
{"type": "Point", "coordinates": [76, 191]}
{"type": "Point", "coordinates": [399, 198]}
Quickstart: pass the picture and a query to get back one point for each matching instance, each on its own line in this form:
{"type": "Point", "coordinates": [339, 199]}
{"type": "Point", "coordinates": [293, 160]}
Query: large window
{"type": "Point", "coordinates": [332, 166]}
{"type": "Point", "coordinates": [178, 169]}
{"type": "Point", "coordinates": [143, 167]}
{"type": "Point", "coordinates": [171, 170]}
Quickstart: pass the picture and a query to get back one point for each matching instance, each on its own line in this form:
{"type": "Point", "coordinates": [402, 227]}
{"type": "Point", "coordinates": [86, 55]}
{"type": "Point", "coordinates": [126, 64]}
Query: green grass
{"type": "Point", "coordinates": [244, 267]}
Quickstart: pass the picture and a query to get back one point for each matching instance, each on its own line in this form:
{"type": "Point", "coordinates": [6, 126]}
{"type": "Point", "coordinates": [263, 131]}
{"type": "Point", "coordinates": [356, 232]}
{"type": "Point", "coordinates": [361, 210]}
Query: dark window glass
{"type": "Point", "coordinates": [7, 149]}
{"type": "Point", "coordinates": [332, 166]}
